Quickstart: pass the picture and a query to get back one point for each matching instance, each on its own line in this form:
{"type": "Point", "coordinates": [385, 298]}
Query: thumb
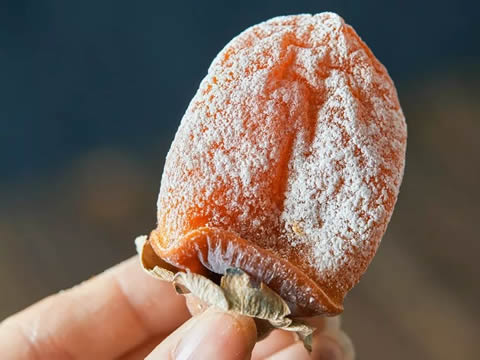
{"type": "Point", "coordinates": [210, 335]}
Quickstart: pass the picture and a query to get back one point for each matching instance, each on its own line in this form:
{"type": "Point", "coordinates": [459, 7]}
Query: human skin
{"type": "Point", "coordinates": [125, 314]}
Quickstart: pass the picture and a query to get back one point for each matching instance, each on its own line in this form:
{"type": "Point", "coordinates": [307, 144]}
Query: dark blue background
{"type": "Point", "coordinates": [75, 75]}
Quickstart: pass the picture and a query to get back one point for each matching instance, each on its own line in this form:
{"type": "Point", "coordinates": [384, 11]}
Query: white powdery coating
{"type": "Point", "coordinates": [301, 102]}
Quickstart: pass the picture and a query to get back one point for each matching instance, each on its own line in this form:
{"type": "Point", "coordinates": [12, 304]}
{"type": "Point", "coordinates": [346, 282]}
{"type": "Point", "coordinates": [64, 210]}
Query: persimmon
{"type": "Point", "coordinates": [287, 163]}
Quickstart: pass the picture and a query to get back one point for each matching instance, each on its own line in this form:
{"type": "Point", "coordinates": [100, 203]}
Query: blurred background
{"type": "Point", "coordinates": [91, 94]}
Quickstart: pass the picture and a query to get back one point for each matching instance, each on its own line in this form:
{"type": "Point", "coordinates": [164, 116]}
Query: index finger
{"type": "Point", "coordinates": [214, 334]}
{"type": "Point", "coordinates": [101, 318]}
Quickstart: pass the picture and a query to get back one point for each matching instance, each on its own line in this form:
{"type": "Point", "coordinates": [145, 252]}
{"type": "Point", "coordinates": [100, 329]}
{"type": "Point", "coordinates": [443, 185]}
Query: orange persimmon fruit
{"type": "Point", "coordinates": [287, 163]}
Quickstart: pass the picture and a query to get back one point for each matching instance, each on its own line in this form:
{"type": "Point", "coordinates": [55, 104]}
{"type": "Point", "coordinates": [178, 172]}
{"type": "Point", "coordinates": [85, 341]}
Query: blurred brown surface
{"type": "Point", "coordinates": [419, 298]}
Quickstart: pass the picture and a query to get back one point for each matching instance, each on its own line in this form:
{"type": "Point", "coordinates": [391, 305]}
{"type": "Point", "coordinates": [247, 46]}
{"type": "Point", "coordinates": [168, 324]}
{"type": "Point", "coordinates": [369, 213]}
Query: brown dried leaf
{"type": "Point", "coordinates": [251, 298]}
{"type": "Point", "coordinates": [205, 289]}
{"type": "Point", "coordinates": [237, 292]}
{"type": "Point", "coordinates": [150, 261]}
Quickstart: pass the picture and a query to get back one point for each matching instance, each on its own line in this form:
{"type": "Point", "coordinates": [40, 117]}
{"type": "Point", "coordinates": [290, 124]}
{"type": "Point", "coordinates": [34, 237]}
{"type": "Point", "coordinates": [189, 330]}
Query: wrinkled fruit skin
{"type": "Point", "coordinates": [287, 163]}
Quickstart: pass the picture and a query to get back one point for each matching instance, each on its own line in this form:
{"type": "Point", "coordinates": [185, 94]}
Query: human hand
{"type": "Point", "coordinates": [124, 314]}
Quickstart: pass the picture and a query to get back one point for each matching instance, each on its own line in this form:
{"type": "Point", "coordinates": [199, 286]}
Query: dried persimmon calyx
{"type": "Point", "coordinates": [237, 292]}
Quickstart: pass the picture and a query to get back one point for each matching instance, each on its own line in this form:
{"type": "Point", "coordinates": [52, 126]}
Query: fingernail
{"type": "Point", "coordinates": [333, 345]}
{"type": "Point", "coordinates": [215, 333]}
{"type": "Point", "coordinates": [325, 348]}
{"type": "Point", "coordinates": [332, 323]}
